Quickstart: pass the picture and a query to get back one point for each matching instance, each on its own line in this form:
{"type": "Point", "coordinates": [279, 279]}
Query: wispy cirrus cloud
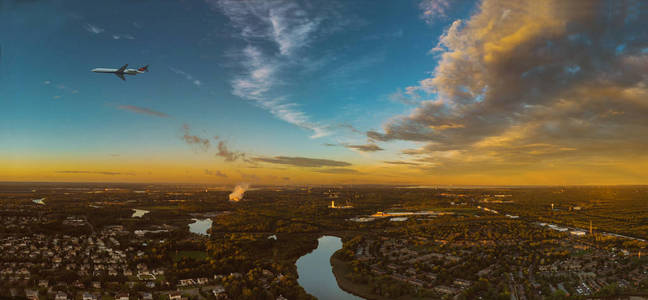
{"type": "Point", "coordinates": [227, 154]}
{"type": "Point", "coordinates": [337, 171]}
{"type": "Point", "coordinates": [302, 161]}
{"type": "Point", "coordinates": [365, 148]}
{"type": "Point", "coordinates": [187, 76]}
{"type": "Point", "coordinates": [123, 36]}
{"type": "Point", "coordinates": [400, 162]}
{"type": "Point", "coordinates": [94, 172]}
{"type": "Point", "coordinates": [216, 173]}
{"type": "Point", "coordinates": [60, 89]}
{"type": "Point", "coordinates": [291, 28]}
{"type": "Point", "coordinates": [432, 10]}
{"type": "Point", "coordinates": [93, 29]}
{"type": "Point", "coordinates": [96, 30]}
{"type": "Point", "coordinates": [143, 111]}
{"type": "Point", "coordinates": [198, 142]}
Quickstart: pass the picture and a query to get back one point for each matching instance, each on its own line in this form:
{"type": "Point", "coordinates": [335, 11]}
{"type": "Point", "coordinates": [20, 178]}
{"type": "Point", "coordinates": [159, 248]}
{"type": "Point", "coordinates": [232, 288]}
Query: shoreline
{"type": "Point", "coordinates": [339, 268]}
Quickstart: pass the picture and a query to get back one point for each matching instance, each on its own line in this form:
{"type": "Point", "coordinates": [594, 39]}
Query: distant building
{"type": "Point", "coordinates": [339, 206]}
{"type": "Point", "coordinates": [578, 232]}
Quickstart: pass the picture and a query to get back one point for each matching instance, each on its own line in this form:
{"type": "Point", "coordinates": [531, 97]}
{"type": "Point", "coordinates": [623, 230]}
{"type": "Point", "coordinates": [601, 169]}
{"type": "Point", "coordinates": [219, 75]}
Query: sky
{"type": "Point", "coordinates": [426, 92]}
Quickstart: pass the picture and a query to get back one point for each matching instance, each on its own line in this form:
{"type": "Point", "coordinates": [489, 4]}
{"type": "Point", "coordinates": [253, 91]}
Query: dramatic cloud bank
{"type": "Point", "coordinates": [524, 82]}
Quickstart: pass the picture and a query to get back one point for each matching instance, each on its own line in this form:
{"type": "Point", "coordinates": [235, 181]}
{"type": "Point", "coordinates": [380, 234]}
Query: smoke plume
{"type": "Point", "coordinates": [238, 192]}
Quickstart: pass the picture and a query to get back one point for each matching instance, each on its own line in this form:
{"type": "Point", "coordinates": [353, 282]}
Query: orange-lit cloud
{"type": "Point", "coordinates": [524, 85]}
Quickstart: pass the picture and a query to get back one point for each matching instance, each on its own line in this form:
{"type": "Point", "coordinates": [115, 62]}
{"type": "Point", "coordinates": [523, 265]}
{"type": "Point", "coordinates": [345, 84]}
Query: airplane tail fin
{"type": "Point", "coordinates": [143, 69]}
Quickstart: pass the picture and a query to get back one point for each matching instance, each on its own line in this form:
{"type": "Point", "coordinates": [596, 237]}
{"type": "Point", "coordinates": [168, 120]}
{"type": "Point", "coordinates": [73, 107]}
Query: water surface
{"type": "Point", "coordinates": [316, 273]}
{"type": "Point", "coordinates": [138, 213]}
{"type": "Point", "coordinates": [200, 226]}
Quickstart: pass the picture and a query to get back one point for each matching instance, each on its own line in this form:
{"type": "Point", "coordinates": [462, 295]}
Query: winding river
{"type": "Point", "coordinates": [316, 273]}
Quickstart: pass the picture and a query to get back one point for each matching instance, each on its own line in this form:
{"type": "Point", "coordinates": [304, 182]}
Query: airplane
{"type": "Point", "coordinates": [121, 71]}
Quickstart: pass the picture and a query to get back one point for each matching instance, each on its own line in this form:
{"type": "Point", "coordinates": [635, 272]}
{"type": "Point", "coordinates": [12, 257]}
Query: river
{"type": "Point", "coordinates": [316, 273]}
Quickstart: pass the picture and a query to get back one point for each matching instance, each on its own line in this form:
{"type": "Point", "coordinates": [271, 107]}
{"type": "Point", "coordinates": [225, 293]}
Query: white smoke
{"type": "Point", "coordinates": [238, 192]}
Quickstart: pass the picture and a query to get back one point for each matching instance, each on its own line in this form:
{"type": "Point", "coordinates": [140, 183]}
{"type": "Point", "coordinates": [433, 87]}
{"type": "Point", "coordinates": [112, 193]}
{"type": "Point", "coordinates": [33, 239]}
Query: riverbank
{"type": "Point", "coordinates": [341, 268]}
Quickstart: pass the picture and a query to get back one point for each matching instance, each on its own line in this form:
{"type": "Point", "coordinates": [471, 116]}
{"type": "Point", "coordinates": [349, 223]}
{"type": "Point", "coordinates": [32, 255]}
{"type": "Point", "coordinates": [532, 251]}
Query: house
{"type": "Point", "coordinates": [61, 296]}
{"type": "Point", "coordinates": [445, 290]}
{"type": "Point", "coordinates": [122, 296]}
{"type": "Point", "coordinates": [88, 296]}
{"type": "Point", "coordinates": [218, 289]}
{"type": "Point", "coordinates": [462, 283]}
{"type": "Point", "coordinates": [31, 294]}
{"type": "Point", "coordinates": [146, 296]}
{"type": "Point", "coordinates": [175, 296]}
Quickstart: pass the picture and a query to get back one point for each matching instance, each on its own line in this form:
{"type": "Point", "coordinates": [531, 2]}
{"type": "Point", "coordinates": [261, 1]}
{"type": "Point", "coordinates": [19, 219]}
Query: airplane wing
{"type": "Point", "coordinates": [121, 70]}
{"type": "Point", "coordinates": [121, 75]}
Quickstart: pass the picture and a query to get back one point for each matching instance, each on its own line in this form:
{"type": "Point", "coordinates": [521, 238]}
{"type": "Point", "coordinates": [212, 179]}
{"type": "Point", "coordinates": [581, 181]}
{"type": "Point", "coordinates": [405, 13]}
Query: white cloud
{"type": "Point", "coordinates": [514, 84]}
{"type": "Point", "coordinates": [123, 36]}
{"type": "Point", "coordinates": [93, 29]}
{"type": "Point", "coordinates": [255, 84]}
{"type": "Point", "coordinates": [187, 76]}
{"type": "Point", "coordinates": [434, 9]}
{"type": "Point", "coordinates": [290, 28]}
{"type": "Point", "coordinates": [288, 25]}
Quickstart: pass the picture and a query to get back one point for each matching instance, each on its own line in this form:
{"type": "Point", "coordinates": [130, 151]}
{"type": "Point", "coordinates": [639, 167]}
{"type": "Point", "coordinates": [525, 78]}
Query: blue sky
{"type": "Point", "coordinates": [354, 70]}
{"type": "Point", "coordinates": [360, 82]}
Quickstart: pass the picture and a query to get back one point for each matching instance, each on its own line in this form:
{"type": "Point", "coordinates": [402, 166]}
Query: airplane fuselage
{"type": "Point", "coordinates": [121, 71]}
{"type": "Point", "coordinates": [107, 70]}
